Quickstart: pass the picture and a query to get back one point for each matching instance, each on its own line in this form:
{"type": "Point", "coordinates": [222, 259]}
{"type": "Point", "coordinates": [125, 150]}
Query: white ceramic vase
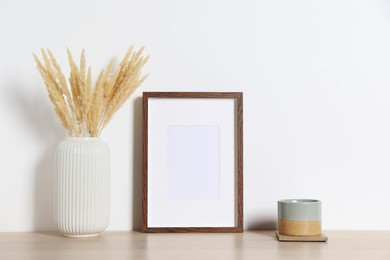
{"type": "Point", "coordinates": [82, 186]}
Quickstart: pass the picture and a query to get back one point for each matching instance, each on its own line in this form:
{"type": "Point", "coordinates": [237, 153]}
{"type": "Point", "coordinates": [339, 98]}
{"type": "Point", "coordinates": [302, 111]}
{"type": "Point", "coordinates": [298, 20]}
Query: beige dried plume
{"type": "Point", "coordinates": [82, 111]}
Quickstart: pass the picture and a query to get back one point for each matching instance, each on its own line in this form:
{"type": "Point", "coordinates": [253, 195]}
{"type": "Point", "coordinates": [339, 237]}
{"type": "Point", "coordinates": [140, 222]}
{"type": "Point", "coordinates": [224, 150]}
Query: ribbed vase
{"type": "Point", "coordinates": [82, 187]}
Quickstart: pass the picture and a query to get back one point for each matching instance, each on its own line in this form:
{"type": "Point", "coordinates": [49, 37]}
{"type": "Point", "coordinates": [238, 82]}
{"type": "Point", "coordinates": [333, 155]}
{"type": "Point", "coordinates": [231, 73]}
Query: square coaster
{"type": "Point", "coordinates": [285, 238]}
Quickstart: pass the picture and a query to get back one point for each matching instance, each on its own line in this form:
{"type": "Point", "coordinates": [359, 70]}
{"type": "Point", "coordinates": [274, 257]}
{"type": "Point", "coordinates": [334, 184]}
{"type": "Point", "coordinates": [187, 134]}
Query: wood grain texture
{"type": "Point", "coordinates": [240, 160]}
{"type": "Point", "coordinates": [238, 96]}
{"type": "Point", "coordinates": [144, 163]}
{"type": "Point", "coordinates": [356, 245]}
{"type": "Point", "coordinates": [194, 230]}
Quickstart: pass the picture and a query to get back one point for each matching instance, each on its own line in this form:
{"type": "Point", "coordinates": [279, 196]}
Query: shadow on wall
{"type": "Point", "coordinates": [264, 224]}
{"type": "Point", "coordinates": [39, 119]}
{"type": "Point", "coordinates": [137, 165]}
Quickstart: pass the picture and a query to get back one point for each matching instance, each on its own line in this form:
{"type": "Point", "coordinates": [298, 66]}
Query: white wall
{"type": "Point", "coordinates": [316, 83]}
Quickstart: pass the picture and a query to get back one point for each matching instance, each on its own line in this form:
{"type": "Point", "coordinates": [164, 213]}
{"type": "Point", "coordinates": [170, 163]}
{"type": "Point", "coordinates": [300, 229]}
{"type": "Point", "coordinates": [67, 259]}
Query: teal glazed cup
{"type": "Point", "coordinates": [299, 217]}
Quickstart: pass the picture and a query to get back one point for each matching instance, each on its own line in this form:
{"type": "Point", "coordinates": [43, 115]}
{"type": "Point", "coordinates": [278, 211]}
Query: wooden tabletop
{"type": "Point", "coordinates": [372, 245]}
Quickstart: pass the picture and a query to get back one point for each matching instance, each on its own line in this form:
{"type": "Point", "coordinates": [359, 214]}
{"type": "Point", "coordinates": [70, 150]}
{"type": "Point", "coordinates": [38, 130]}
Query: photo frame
{"type": "Point", "coordinates": [192, 162]}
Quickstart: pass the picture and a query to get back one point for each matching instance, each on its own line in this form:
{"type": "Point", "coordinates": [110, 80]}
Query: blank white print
{"type": "Point", "coordinates": [193, 159]}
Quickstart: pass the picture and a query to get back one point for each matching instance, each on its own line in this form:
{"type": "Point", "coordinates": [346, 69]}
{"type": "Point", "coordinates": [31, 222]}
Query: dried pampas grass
{"type": "Point", "coordinates": [82, 111]}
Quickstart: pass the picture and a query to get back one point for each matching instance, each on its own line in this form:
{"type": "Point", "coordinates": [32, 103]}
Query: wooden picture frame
{"type": "Point", "coordinates": [192, 162]}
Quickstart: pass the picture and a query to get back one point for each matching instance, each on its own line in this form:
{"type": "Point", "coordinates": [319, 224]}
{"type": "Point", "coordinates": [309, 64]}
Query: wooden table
{"type": "Point", "coordinates": [254, 245]}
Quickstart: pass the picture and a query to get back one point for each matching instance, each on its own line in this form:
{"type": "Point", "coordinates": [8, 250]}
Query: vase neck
{"type": "Point", "coordinates": [76, 138]}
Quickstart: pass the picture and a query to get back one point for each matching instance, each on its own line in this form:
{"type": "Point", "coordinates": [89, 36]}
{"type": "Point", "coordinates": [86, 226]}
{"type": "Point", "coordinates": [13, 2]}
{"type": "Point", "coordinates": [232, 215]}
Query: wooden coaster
{"type": "Point", "coordinates": [284, 238]}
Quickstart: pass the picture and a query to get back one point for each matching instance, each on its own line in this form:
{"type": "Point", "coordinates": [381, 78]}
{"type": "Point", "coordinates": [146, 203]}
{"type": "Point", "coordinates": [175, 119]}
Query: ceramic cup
{"type": "Point", "coordinates": [299, 217]}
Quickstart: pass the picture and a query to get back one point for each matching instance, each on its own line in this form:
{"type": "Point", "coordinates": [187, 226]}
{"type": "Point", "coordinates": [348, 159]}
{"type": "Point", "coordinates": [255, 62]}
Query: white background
{"type": "Point", "coordinates": [316, 83]}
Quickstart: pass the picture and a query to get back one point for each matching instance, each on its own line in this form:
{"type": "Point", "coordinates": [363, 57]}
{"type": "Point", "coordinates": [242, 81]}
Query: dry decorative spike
{"type": "Point", "coordinates": [82, 111]}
